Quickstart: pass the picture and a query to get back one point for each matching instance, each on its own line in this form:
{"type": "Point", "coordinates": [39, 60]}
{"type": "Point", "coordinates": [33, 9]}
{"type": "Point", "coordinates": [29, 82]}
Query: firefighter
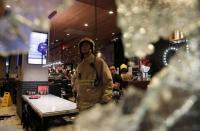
{"type": "Point", "coordinates": [125, 75]}
{"type": "Point", "coordinates": [92, 79]}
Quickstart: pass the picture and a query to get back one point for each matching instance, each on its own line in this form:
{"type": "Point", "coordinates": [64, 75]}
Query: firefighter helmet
{"type": "Point", "coordinates": [89, 40]}
{"type": "Point", "coordinates": [123, 68]}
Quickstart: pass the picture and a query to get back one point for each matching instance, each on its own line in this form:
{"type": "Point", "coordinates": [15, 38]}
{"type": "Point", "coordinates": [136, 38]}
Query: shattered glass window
{"type": "Point", "coordinates": [172, 100]}
{"type": "Point", "coordinates": [20, 18]}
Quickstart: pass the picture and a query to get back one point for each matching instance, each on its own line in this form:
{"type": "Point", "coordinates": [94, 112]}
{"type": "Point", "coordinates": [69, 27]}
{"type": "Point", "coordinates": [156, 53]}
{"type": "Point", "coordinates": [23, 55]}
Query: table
{"type": "Point", "coordinates": [50, 106]}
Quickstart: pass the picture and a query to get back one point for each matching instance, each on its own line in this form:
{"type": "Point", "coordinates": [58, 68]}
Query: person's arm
{"type": "Point", "coordinates": [116, 81]}
{"type": "Point", "coordinates": [116, 85]}
{"type": "Point", "coordinates": [107, 83]}
{"type": "Point", "coordinates": [74, 80]}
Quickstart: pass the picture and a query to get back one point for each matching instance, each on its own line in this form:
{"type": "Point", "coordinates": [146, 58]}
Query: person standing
{"type": "Point", "coordinates": [92, 79]}
{"type": "Point", "coordinates": [117, 88]}
{"type": "Point", "coordinates": [125, 75]}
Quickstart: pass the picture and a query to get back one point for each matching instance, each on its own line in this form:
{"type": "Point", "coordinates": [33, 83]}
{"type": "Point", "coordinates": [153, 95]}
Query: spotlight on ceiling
{"type": "Point", "coordinates": [110, 12]}
{"type": "Point", "coordinates": [86, 25]}
{"type": "Point", "coordinates": [8, 6]}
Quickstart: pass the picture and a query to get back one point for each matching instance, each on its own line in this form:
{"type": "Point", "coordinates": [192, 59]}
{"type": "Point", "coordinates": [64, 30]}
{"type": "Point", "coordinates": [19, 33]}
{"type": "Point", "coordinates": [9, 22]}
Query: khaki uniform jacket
{"type": "Point", "coordinates": [87, 93]}
{"type": "Point", "coordinates": [127, 77]}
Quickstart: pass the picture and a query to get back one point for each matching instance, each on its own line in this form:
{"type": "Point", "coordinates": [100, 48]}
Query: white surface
{"type": "Point", "coordinates": [50, 105]}
{"type": "Point", "coordinates": [33, 72]}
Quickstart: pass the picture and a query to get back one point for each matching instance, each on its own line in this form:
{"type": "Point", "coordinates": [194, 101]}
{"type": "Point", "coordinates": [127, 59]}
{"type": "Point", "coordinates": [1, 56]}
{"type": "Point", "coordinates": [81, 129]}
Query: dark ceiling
{"type": "Point", "coordinates": [104, 4]}
{"type": "Point", "coordinates": [71, 21]}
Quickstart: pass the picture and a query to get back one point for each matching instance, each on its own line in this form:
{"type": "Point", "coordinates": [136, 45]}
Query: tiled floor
{"type": "Point", "coordinates": [13, 123]}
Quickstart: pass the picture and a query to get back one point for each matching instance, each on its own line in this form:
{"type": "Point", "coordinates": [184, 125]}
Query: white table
{"type": "Point", "coordinates": [50, 105]}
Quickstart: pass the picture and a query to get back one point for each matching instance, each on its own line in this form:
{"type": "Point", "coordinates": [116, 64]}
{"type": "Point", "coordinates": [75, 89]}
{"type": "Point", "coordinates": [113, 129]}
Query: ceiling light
{"type": "Point", "coordinates": [110, 12]}
{"type": "Point", "coordinates": [56, 40]}
{"type": "Point", "coordinates": [68, 34]}
{"type": "Point", "coordinates": [8, 6]}
{"type": "Point", "coordinates": [113, 33]}
{"type": "Point", "coordinates": [86, 25]}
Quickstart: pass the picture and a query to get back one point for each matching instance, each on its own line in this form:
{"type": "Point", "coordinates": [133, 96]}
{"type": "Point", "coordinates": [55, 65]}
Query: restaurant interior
{"type": "Point", "coordinates": [36, 91]}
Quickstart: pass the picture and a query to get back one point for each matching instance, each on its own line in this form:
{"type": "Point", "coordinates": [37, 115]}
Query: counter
{"type": "Point", "coordinates": [139, 84]}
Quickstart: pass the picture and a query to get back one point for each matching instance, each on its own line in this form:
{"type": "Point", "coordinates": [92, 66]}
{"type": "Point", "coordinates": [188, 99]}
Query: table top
{"type": "Point", "coordinates": [50, 105]}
